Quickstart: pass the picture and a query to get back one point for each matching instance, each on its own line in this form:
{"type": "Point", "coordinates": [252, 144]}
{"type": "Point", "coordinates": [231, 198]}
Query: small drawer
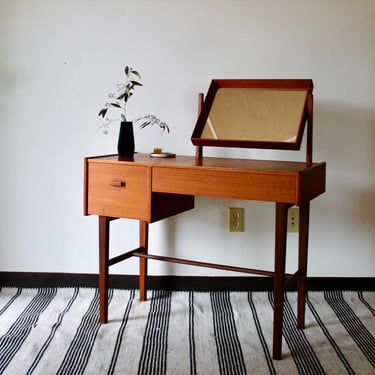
{"type": "Point", "coordinates": [118, 190]}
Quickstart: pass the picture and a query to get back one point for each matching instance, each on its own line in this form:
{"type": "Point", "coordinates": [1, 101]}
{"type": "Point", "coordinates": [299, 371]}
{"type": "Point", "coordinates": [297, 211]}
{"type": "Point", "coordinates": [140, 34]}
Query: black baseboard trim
{"type": "Point", "coordinates": [197, 283]}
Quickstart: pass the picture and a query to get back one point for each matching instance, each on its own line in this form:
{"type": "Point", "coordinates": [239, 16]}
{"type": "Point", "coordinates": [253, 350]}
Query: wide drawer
{"type": "Point", "coordinates": [118, 190]}
{"type": "Point", "coordinates": [266, 186]}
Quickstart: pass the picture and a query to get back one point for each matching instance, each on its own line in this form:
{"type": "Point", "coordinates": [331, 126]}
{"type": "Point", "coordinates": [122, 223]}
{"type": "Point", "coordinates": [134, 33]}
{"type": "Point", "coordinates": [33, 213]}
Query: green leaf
{"type": "Point", "coordinates": [126, 70]}
{"type": "Point", "coordinates": [136, 73]}
{"type": "Point", "coordinates": [122, 96]}
{"type": "Point", "coordinates": [123, 117]}
{"type": "Point", "coordinates": [115, 105]}
{"type": "Point", "coordinates": [103, 112]}
{"type": "Point", "coordinates": [135, 83]}
{"type": "Point", "coordinates": [144, 124]}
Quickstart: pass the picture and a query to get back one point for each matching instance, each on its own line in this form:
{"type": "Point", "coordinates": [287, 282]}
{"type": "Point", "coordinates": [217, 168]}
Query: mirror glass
{"type": "Point", "coordinates": [261, 117]}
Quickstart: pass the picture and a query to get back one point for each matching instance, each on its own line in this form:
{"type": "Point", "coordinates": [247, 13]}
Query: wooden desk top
{"type": "Point", "coordinates": [271, 166]}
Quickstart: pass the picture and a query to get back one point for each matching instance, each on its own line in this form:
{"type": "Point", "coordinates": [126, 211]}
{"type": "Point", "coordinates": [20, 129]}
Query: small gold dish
{"type": "Point", "coordinates": [162, 155]}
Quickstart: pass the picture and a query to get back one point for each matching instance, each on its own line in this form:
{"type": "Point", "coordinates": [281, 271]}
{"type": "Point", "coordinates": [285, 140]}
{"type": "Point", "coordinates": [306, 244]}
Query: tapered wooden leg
{"type": "Point", "coordinates": [304, 213]}
{"type": "Point", "coordinates": [143, 242]}
{"type": "Point", "coordinates": [103, 267]}
{"type": "Point", "coordinates": [279, 278]}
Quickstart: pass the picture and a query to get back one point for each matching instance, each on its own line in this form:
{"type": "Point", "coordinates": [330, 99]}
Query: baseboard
{"type": "Point", "coordinates": [198, 283]}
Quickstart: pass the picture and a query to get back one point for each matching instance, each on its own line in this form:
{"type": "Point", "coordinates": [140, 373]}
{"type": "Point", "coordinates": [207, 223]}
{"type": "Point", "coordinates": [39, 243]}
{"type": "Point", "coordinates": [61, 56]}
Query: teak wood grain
{"type": "Point", "coordinates": [264, 180]}
{"type": "Point", "coordinates": [119, 190]}
{"type": "Point", "coordinates": [226, 184]}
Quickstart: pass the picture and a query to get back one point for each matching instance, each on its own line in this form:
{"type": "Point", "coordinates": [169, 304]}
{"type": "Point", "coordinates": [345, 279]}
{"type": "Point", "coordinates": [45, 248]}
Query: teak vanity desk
{"type": "Point", "coordinates": [267, 114]}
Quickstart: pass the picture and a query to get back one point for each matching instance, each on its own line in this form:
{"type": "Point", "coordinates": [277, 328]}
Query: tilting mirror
{"type": "Point", "coordinates": [254, 114]}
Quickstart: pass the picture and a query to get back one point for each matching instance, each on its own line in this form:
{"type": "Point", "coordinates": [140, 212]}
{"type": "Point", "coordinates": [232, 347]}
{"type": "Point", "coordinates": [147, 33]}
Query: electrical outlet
{"type": "Point", "coordinates": [236, 219]}
{"type": "Point", "coordinates": [293, 219]}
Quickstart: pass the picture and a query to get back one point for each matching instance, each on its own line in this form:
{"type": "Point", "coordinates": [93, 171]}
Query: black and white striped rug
{"type": "Point", "coordinates": [56, 331]}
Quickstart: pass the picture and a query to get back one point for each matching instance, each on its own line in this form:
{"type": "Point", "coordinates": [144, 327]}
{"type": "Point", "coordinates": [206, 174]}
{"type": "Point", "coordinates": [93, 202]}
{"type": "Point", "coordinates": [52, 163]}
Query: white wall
{"type": "Point", "coordinates": [58, 61]}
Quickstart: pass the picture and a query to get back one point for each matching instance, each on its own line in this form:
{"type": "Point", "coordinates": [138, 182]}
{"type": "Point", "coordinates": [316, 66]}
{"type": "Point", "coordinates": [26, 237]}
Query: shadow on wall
{"type": "Point", "coordinates": [7, 79]}
{"type": "Point", "coordinates": [344, 136]}
{"type": "Point", "coordinates": [7, 84]}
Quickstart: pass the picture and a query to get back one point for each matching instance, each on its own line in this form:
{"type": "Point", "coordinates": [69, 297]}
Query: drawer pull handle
{"type": "Point", "coordinates": [117, 183]}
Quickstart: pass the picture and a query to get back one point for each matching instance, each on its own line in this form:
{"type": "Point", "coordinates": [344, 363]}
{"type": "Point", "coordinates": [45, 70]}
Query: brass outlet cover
{"type": "Point", "coordinates": [236, 219]}
{"type": "Point", "coordinates": [293, 219]}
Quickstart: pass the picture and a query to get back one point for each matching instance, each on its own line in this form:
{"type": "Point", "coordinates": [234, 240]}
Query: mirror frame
{"type": "Point", "coordinates": [275, 84]}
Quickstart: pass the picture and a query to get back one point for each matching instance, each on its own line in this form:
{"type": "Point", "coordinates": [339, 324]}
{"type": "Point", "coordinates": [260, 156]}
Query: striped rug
{"type": "Point", "coordinates": [56, 331]}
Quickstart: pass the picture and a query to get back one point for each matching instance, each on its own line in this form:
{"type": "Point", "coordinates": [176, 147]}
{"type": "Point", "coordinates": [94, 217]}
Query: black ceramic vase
{"type": "Point", "coordinates": [125, 146]}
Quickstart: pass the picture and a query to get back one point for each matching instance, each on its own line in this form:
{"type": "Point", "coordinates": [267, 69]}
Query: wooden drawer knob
{"type": "Point", "coordinates": [117, 183]}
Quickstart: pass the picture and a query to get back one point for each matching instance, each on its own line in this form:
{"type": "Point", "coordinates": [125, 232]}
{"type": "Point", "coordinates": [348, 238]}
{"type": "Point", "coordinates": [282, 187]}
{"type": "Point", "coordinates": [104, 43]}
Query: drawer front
{"type": "Point", "coordinates": [227, 184]}
{"type": "Point", "coordinates": [119, 190]}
